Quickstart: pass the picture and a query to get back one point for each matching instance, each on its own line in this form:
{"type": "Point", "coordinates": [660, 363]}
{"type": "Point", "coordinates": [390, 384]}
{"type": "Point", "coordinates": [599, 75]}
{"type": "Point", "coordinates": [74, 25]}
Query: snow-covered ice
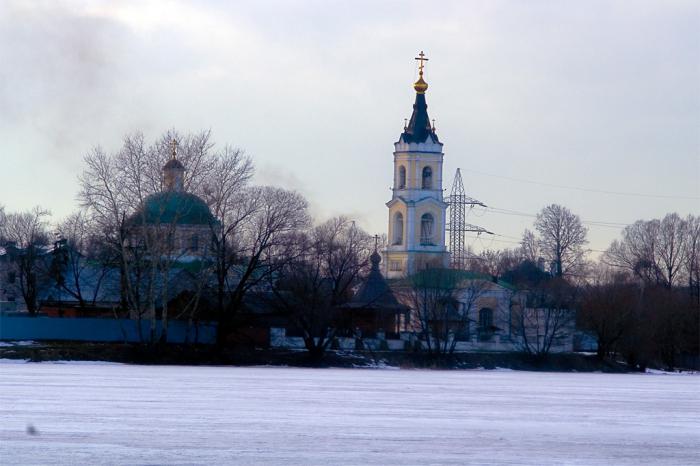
{"type": "Point", "coordinates": [124, 414]}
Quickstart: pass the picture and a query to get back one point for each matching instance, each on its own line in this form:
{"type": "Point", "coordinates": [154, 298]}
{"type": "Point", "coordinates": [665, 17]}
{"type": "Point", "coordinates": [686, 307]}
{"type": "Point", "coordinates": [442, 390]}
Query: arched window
{"type": "Point", "coordinates": [427, 178]}
{"type": "Point", "coordinates": [194, 243]}
{"type": "Point", "coordinates": [402, 177]}
{"type": "Point", "coordinates": [398, 228]}
{"type": "Point", "coordinates": [427, 229]}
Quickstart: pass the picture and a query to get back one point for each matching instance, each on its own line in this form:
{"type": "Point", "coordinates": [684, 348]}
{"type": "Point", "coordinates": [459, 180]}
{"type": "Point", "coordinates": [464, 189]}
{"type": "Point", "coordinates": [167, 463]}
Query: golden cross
{"type": "Point", "coordinates": [421, 58]}
{"type": "Point", "coordinates": [174, 152]}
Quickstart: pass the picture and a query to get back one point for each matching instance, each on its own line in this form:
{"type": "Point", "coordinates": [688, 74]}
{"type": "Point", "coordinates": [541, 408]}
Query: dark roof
{"type": "Point", "coordinates": [375, 293]}
{"type": "Point", "coordinates": [173, 207]}
{"type": "Point", "coordinates": [174, 163]}
{"type": "Point", "coordinates": [419, 128]}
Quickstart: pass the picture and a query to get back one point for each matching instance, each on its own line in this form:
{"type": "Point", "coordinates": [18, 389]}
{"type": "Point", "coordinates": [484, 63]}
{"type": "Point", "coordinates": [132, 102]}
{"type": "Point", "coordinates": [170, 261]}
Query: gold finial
{"type": "Point", "coordinates": [421, 86]}
{"type": "Point", "coordinates": [433, 125]}
{"type": "Point", "coordinates": [405, 124]}
{"type": "Point", "coordinates": [174, 150]}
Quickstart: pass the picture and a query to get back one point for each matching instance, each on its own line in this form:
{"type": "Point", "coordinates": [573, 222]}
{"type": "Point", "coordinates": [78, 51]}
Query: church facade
{"type": "Point", "coordinates": [417, 210]}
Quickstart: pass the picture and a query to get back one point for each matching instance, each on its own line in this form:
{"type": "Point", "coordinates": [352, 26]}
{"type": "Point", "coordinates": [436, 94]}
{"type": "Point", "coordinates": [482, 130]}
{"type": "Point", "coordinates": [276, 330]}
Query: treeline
{"type": "Point", "coordinates": [640, 299]}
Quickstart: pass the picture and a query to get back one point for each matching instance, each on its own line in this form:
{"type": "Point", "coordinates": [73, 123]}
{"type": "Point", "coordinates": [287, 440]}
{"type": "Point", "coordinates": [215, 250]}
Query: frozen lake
{"type": "Point", "coordinates": [121, 414]}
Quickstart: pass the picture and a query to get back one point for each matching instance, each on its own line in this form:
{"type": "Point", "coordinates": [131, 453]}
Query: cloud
{"type": "Point", "coordinates": [597, 94]}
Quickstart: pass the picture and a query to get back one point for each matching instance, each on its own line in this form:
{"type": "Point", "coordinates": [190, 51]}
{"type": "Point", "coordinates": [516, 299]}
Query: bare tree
{"type": "Point", "coordinates": [304, 293]}
{"type": "Point", "coordinates": [316, 282]}
{"type": "Point", "coordinates": [671, 250]}
{"type": "Point", "coordinates": [636, 251]}
{"type": "Point", "coordinates": [345, 249]}
{"type": "Point", "coordinates": [529, 245]}
{"type": "Point", "coordinates": [497, 262]}
{"type": "Point", "coordinates": [234, 205]}
{"type": "Point", "coordinates": [607, 308]}
{"type": "Point", "coordinates": [562, 238]}
{"type": "Point", "coordinates": [654, 250]}
{"type": "Point", "coordinates": [543, 316]}
{"type": "Point", "coordinates": [27, 242]}
{"type": "Point", "coordinates": [692, 256]}
{"type": "Point", "coordinates": [442, 301]}
{"type": "Point", "coordinates": [87, 260]}
{"type": "Point", "coordinates": [112, 189]}
{"type": "Point", "coordinates": [259, 244]}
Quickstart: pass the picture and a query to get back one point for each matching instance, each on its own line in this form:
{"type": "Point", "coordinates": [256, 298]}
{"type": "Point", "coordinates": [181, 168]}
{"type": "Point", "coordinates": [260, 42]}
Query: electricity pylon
{"type": "Point", "coordinates": [458, 202]}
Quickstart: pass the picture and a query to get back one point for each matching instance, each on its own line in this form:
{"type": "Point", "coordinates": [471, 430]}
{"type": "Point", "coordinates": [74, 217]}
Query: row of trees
{"type": "Point", "coordinates": [641, 299]}
{"type": "Point", "coordinates": [664, 252]}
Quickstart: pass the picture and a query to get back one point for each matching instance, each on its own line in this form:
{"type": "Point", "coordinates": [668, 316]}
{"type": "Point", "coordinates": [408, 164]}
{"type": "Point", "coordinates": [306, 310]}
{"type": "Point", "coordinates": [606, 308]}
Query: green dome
{"type": "Point", "coordinates": [173, 207]}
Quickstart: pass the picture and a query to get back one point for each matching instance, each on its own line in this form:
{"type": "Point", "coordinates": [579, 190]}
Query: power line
{"type": "Point", "coordinates": [514, 242]}
{"type": "Point", "coordinates": [597, 223]}
{"type": "Point", "coordinates": [578, 188]}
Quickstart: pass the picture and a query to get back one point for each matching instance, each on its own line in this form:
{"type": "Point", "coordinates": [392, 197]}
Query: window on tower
{"type": "Point", "coordinates": [398, 229]}
{"type": "Point", "coordinates": [427, 178]}
{"type": "Point", "coordinates": [402, 177]}
{"type": "Point", "coordinates": [427, 229]}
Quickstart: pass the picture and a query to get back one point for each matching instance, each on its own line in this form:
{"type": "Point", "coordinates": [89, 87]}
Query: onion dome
{"type": "Point", "coordinates": [420, 86]}
{"type": "Point", "coordinates": [173, 163]}
{"type": "Point", "coordinates": [374, 292]}
{"type": "Point", "coordinates": [173, 207]}
{"type": "Point", "coordinates": [375, 259]}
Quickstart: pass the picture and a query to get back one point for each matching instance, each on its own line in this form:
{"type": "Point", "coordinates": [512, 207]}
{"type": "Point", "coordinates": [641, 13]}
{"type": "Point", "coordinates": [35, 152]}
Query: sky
{"type": "Point", "coordinates": [592, 105]}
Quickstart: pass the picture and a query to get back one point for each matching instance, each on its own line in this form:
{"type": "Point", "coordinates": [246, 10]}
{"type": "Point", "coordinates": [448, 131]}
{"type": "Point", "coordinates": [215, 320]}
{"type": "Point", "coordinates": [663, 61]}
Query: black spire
{"type": "Point", "coordinates": [419, 128]}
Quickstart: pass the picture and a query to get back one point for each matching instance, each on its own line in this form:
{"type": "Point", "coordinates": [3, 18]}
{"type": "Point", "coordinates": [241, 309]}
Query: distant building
{"type": "Point", "coordinates": [374, 307]}
{"type": "Point", "coordinates": [482, 313]}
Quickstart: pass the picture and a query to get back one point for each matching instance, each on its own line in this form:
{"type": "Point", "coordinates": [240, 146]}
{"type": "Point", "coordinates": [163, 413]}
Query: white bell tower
{"type": "Point", "coordinates": [417, 212]}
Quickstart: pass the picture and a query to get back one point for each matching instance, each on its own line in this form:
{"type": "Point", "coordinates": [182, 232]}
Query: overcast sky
{"type": "Point", "coordinates": [603, 97]}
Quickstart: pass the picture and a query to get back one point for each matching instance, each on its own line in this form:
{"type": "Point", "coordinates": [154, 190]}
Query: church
{"type": "Point", "coordinates": [176, 222]}
{"type": "Point", "coordinates": [417, 210]}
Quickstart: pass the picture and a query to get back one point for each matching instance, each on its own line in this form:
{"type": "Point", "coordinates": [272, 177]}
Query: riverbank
{"type": "Point", "coordinates": [208, 355]}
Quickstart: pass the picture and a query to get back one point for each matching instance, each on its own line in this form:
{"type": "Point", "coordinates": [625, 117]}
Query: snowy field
{"type": "Point", "coordinates": [87, 414]}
